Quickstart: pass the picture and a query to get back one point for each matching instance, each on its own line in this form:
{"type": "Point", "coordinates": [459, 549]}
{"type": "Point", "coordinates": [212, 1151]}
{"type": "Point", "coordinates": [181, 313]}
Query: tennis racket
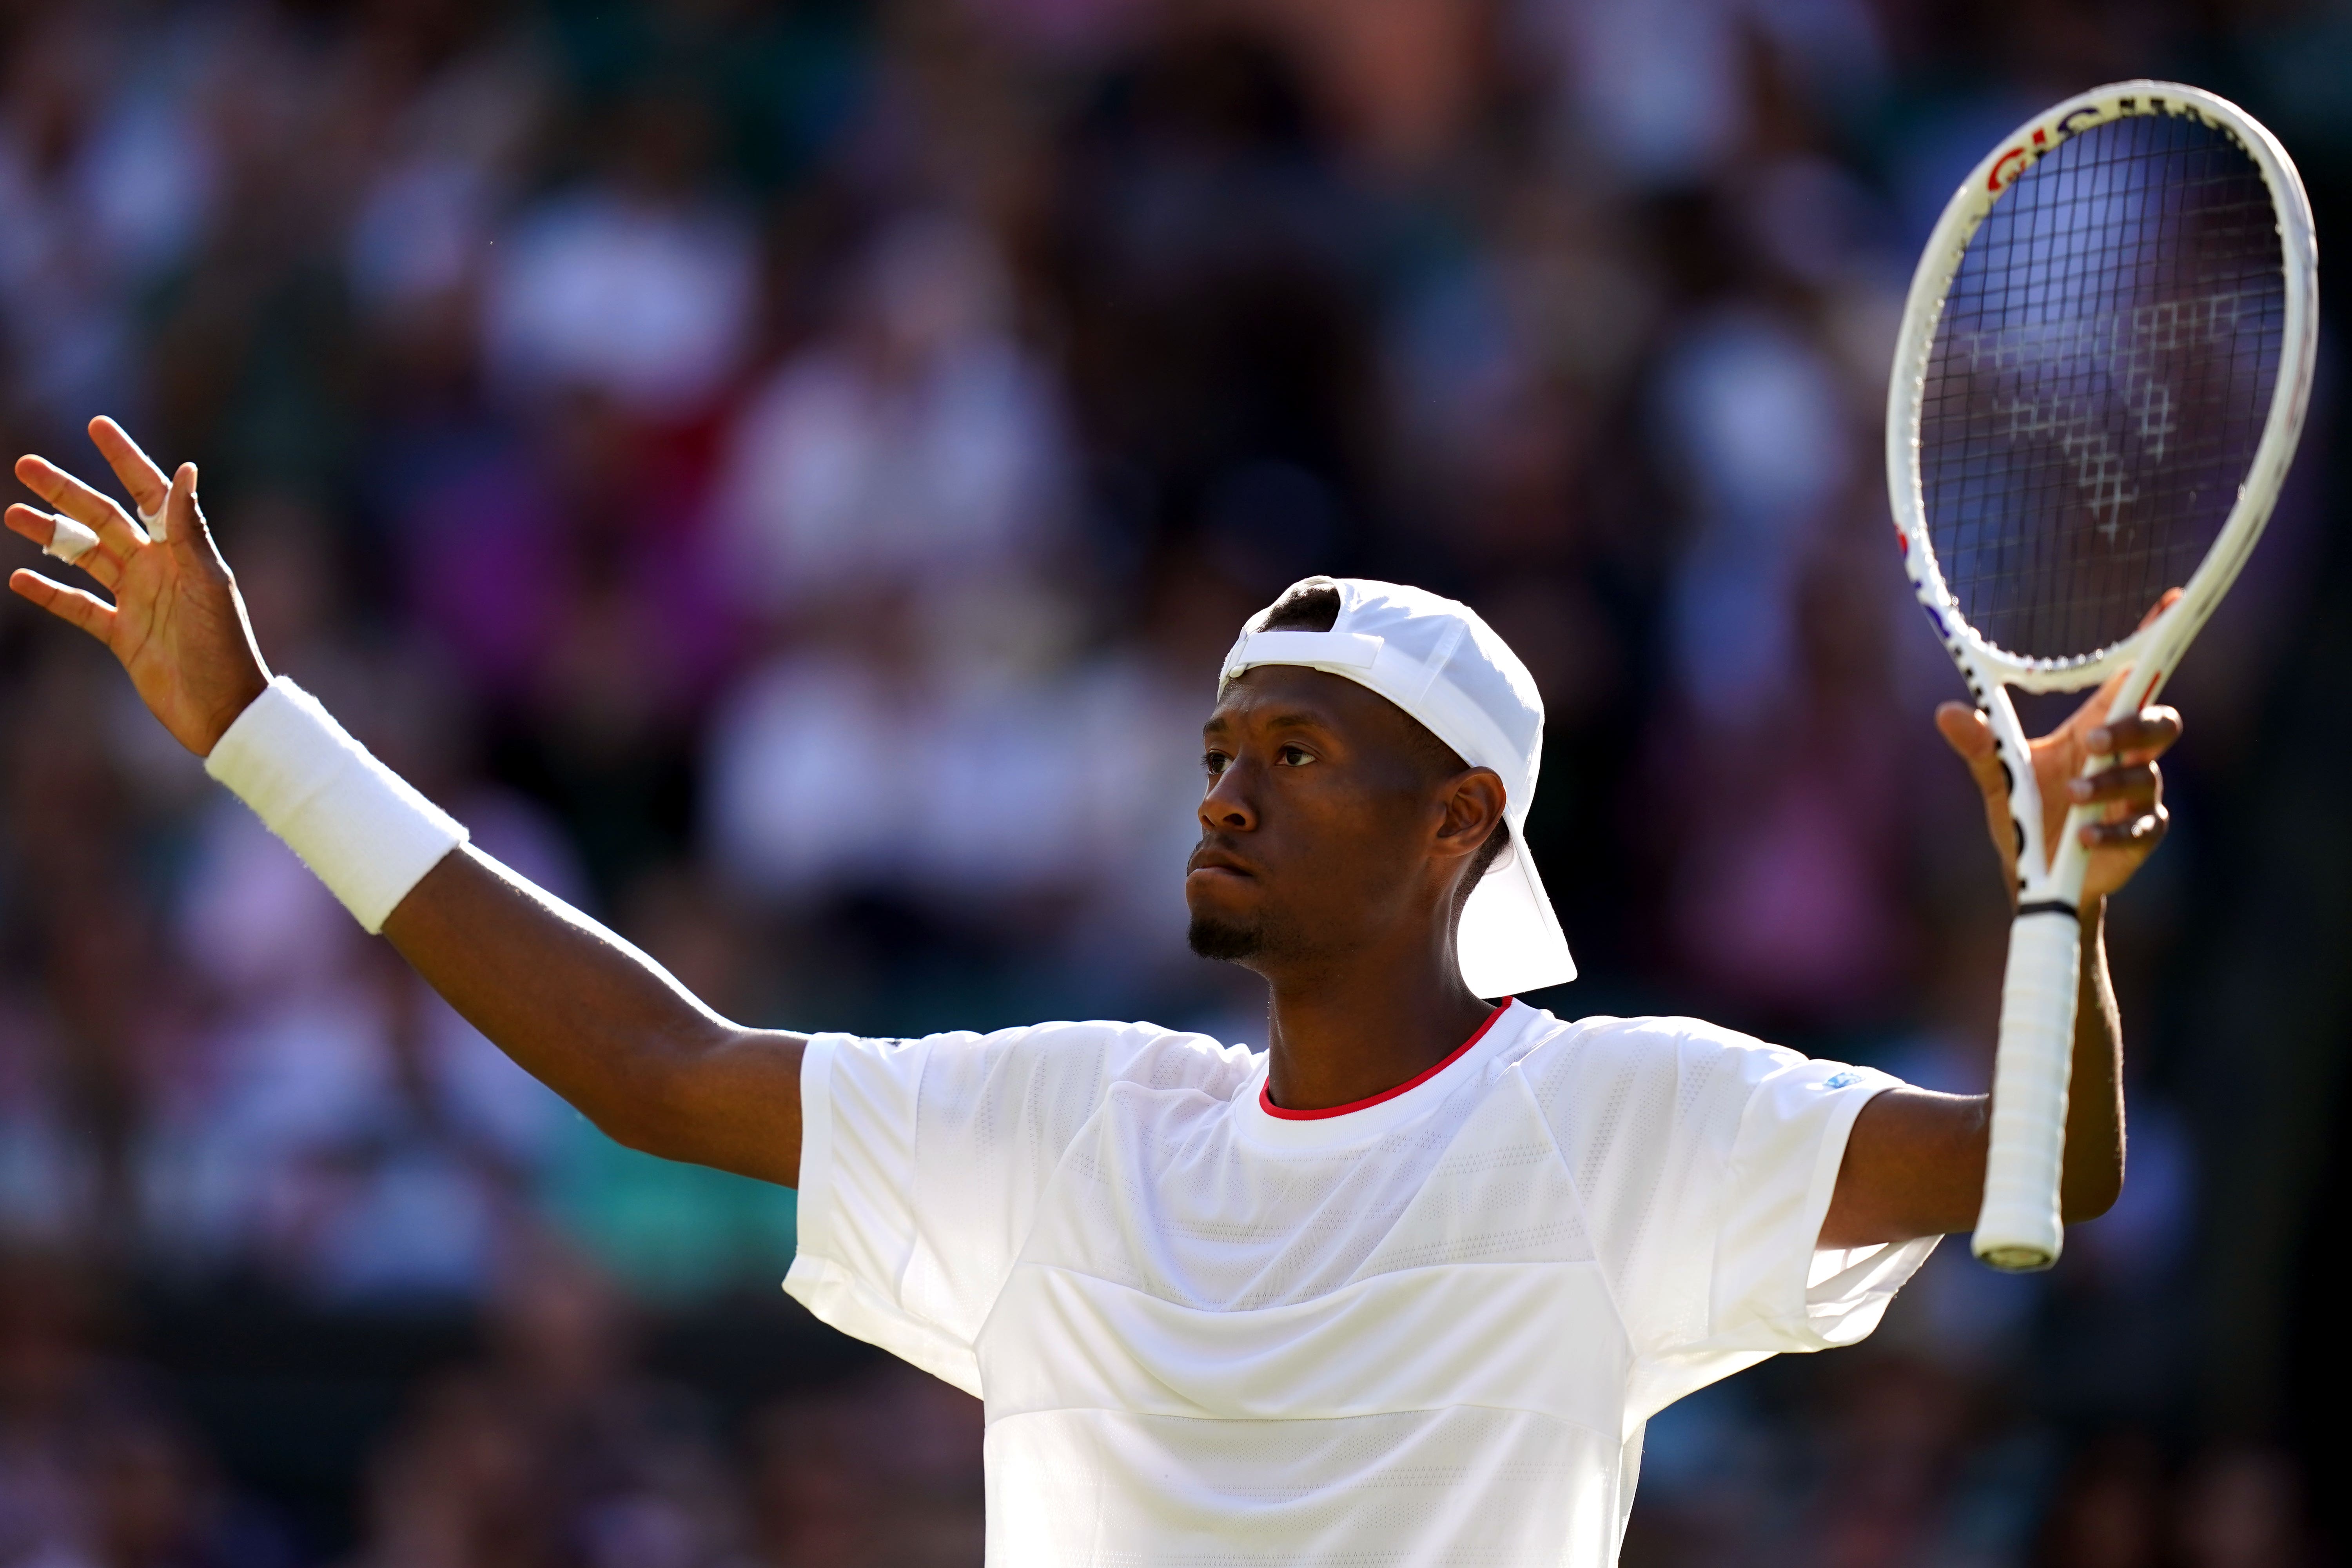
{"type": "Point", "coordinates": [2105, 362]}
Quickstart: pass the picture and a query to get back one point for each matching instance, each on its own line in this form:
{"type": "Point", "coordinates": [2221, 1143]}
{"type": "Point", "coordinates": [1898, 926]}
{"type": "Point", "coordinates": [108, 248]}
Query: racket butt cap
{"type": "Point", "coordinates": [2016, 1260]}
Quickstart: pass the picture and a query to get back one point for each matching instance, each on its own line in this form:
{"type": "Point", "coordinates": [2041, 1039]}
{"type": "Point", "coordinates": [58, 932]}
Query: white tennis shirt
{"type": "Point", "coordinates": [1424, 1330]}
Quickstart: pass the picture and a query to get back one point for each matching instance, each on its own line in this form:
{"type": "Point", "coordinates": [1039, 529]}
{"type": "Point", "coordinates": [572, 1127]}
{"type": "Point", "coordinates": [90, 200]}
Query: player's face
{"type": "Point", "coordinates": [1317, 821]}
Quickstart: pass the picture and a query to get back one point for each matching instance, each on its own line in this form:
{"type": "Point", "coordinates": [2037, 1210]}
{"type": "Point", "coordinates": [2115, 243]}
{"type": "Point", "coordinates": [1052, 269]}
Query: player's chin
{"type": "Point", "coordinates": [1227, 919]}
{"type": "Point", "coordinates": [1224, 937]}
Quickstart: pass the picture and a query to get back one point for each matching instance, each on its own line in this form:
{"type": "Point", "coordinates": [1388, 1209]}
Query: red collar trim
{"type": "Point", "coordinates": [1265, 1090]}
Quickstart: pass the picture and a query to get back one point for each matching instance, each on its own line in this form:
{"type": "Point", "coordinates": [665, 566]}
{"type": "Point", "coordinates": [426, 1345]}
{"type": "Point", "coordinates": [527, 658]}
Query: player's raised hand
{"type": "Point", "coordinates": [176, 623]}
{"type": "Point", "coordinates": [2128, 796]}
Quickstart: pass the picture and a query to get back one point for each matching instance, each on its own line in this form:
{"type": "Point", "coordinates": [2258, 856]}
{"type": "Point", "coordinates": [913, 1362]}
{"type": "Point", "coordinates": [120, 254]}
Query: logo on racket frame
{"type": "Point", "coordinates": [2047, 138]}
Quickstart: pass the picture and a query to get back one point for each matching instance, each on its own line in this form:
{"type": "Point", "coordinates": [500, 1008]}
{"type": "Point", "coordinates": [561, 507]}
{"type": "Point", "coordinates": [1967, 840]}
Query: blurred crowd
{"type": "Point", "coordinates": [784, 475]}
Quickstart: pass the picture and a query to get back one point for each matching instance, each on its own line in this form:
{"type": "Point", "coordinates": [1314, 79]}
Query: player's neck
{"type": "Point", "coordinates": [1340, 1036]}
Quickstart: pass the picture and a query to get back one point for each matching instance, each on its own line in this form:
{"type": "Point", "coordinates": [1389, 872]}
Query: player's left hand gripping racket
{"type": "Point", "coordinates": [2105, 362]}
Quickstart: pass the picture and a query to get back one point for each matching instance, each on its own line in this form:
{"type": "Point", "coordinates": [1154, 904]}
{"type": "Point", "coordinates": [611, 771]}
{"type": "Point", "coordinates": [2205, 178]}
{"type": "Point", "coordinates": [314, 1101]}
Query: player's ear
{"type": "Point", "coordinates": [1473, 808]}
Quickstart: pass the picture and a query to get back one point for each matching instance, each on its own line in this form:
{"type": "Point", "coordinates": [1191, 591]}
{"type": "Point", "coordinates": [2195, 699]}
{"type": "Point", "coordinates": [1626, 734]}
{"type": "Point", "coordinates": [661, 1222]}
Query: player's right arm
{"type": "Point", "coordinates": [585, 1013]}
{"type": "Point", "coordinates": [601, 1024]}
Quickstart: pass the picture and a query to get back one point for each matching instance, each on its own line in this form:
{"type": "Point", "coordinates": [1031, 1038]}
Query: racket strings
{"type": "Point", "coordinates": [2099, 380]}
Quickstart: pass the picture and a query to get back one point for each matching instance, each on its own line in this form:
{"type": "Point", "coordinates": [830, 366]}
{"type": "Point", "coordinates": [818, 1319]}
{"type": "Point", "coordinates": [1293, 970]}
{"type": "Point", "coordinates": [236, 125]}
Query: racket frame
{"type": "Point", "coordinates": [2020, 1227]}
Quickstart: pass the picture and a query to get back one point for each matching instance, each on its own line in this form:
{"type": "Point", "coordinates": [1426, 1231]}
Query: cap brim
{"type": "Point", "coordinates": [1510, 941]}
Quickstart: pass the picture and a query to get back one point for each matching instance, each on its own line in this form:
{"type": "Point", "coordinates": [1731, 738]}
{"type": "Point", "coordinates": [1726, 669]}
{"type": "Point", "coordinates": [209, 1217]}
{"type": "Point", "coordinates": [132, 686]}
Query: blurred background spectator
{"type": "Point", "coordinates": [784, 474]}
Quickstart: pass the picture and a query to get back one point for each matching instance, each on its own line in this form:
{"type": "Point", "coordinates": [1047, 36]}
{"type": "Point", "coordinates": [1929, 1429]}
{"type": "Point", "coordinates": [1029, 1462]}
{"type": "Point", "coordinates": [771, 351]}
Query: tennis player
{"type": "Point", "coordinates": [1403, 1289]}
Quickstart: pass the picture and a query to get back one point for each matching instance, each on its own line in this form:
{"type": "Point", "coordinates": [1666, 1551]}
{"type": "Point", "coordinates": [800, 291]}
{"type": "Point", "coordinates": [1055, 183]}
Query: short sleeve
{"type": "Point", "coordinates": [923, 1162]}
{"type": "Point", "coordinates": [1706, 1160]}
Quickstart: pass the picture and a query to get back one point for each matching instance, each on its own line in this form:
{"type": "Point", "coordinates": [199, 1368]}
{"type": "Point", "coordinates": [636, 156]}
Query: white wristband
{"type": "Point", "coordinates": [365, 830]}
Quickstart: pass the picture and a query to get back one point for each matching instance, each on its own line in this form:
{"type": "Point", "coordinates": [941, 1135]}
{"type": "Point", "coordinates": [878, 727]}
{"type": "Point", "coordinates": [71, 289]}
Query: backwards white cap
{"type": "Point", "coordinates": [1438, 661]}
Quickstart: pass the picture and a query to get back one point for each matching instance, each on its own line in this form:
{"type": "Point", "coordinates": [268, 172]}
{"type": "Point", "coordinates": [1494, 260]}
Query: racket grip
{"type": "Point", "coordinates": [2018, 1227]}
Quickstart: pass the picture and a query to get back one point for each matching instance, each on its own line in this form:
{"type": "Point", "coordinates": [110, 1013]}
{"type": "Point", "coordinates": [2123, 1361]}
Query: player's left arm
{"type": "Point", "coordinates": [1915, 1161]}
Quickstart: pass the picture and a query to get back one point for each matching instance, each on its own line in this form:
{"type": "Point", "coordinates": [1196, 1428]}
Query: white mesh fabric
{"type": "Point", "coordinates": [1159, 1196]}
{"type": "Point", "coordinates": [1078, 1488]}
{"type": "Point", "coordinates": [923, 1162]}
{"type": "Point", "coordinates": [1678, 1129]}
{"type": "Point", "coordinates": [1426, 1331]}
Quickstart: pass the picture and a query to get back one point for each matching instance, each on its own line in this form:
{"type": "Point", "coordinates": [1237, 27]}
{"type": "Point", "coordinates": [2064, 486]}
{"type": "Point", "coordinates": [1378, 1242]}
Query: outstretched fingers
{"type": "Point", "coordinates": [178, 518]}
{"type": "Point", "coordinates": [65, 540]}
{"type": "Point", "coordinates": [131, 465]}
{"type": "Point", "coordinates": [86, 506]}
{"type": "Point", "coordinates": [88, 611]}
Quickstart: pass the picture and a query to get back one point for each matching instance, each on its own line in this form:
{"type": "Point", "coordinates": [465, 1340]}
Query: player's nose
{"type": "Point", "coordinates": [1226, 806]}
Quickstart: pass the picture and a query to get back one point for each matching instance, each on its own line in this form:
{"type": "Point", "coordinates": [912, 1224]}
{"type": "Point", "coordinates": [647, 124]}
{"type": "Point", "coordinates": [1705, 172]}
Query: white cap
{"type": "Point", "coordinates": [1438, 661]}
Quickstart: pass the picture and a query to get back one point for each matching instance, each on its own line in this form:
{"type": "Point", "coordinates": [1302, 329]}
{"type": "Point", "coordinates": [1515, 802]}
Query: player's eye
{"type": "Point", "coordinates": [1214, 762]}
{"type": "Point", "coordinates": [1294, 757]}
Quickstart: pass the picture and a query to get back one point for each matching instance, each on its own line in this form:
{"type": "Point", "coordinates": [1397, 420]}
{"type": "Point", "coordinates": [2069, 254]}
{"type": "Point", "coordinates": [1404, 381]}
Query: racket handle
{"type": "Point", "coordinates": [2018, 1229]}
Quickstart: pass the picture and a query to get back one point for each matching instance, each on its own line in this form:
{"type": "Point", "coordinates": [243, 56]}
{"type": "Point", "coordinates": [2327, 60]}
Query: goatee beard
{"type": "Point", "coordinates": [1224, 939]}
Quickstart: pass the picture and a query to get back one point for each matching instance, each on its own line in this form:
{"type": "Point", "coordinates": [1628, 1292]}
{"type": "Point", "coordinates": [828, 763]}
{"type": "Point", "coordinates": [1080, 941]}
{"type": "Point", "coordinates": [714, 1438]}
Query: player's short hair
{"type": "Point", "coordinates": [1317, 609]}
